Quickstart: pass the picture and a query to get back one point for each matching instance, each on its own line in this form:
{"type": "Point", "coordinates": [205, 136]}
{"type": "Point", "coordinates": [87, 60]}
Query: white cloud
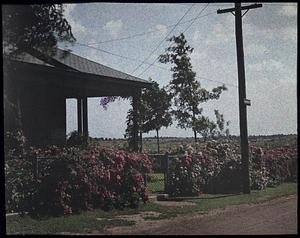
{"type": "Point", "coordinates": [159, 31]}
{"type": "Point", "coordinates": [68, 8]}
{"type": "Point", "coordinates": [273, 107]}
{"type": "Point", "coordinates": [222, 32]}
{"type": "Point", "coordinates": [271, 71]}
{"type": "Point", "coordinates": [93, 55]}
{"type": "Point", "coordinates": [78, 30]}
{"type": "Point", "coordinates": [289, 11]}
{"type": "Point", "coordinates": [114, 27]}
{"type": "Point", "coordinates": [198, 56]}
{"type": "Point", "coordinates": [162, 28]}
{"type": "Point", "coordinates": [289, 33]}
{"type": "Point", "coordinates": [255, 49]}
{"type": "Point", "coordinates": [266, 65]}
{"type": "Point", "coordinates": [198, 36]}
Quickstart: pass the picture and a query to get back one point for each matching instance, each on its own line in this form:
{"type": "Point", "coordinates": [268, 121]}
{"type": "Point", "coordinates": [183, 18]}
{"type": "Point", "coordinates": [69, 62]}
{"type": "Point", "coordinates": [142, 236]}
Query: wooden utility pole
{"type": "Point", "coordinates": [243, 101]}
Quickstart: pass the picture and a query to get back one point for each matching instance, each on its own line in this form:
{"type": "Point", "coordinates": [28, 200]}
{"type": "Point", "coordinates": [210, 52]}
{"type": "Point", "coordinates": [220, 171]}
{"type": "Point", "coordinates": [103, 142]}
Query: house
{"type": "Point", "coordinates": [42, 83]}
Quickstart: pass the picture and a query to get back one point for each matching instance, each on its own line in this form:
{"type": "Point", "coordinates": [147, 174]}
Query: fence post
{"type": "Point", "coordinates": [166, 170]}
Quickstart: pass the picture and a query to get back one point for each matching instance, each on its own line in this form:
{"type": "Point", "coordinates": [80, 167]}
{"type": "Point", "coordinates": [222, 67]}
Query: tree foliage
{"type": "Point", "coordinates": [186, 91]}
{"type": "Point", "coordinates": [222, 130]}
{"type": "Point", "coordinates": [212, 129]}
{"type": "Point", "coordinates": [153, 111]}
{"type": "Point", "coordinates": [34, 26]}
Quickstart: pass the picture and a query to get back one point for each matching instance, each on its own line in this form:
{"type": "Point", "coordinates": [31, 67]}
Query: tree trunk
{"type": "Point", "coordinates": [157, 138]}
{"type": "Point", "coordinates": [141, 141]}
{"type": "Point", "coordinates": [194, 118]}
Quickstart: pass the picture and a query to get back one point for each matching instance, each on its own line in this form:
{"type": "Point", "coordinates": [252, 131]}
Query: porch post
{"type": "Point", "coordinates": [85, 117]}
{"type": "Point", "coordinates": [79, 115]}
{"type": "Point", "coordinates": [135, 98]}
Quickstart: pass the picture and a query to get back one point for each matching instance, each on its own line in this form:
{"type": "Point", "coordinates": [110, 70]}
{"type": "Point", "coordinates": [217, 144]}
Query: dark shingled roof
{"type": "Point", "coordinates": [70, 61]}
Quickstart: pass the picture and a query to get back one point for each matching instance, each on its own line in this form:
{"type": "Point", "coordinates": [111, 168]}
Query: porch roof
{"type": "Point", "coordinates": [69, 61]}
{"type": "Point", "coordinates": [75, 75]}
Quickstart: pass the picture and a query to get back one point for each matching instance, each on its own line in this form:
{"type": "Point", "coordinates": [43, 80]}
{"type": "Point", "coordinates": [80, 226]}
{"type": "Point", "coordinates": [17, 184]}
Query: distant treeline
{"type": "Point", "coordinates": [170, 138]}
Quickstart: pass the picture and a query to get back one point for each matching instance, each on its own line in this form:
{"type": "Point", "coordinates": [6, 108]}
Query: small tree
{"type": "Point", "coordinates": [153, 112]}
{"type": "Point", "coordinates": [186, 92]}
{"type": "Point", "coordinates": [210, 129]}
{"type": "Point", "coordinates": [205, 127]}
{"type": "Point", "coordinates": [222, 131]}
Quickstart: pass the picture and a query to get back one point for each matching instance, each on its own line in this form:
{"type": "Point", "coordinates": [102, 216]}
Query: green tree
{"type": "Point", "coordinates": [153, 112]}
{"type": "Point", "coordinates": [210, 129]}
{"type": "Point", "coordinates": [34, 26]}
{"type": "Point", "coordinates": [187, 93]}
{"type": "Point", "coordinates": [205, 127]}
{"type": "Point", "coordinates": [220, 121]}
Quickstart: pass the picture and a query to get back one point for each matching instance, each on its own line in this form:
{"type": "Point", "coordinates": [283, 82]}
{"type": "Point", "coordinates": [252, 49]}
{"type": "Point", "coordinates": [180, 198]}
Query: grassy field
{"type": "Point", "coordinates": [150, 146]}
{"type": "Point", "coordinates": [87, 222]}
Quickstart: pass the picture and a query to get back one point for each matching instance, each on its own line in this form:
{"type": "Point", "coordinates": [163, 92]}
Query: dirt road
{"type": "Point", "coordinates": [278, 216]}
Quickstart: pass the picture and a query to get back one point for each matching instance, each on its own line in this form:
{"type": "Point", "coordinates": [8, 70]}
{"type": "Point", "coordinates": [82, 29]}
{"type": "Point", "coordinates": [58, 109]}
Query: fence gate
{"type": "Point", "coordinates": [157, 182]}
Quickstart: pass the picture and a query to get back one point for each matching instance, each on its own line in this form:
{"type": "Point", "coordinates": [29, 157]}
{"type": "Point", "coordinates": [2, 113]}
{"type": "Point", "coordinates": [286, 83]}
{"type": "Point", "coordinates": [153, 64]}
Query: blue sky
{"type": "Point", "coordinates": [270, 48]}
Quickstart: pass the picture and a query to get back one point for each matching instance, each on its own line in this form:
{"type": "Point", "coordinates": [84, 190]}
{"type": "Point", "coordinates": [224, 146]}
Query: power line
{"type": "Point", "coordinates": [171, 44]}
{"type": "Point", "coordinates": [148, 32]}
{"type": "Point", "coordinates": [108, 52]}
{"type": "Point", "coordinates": [161, 42]}
{"type": "Point", "coordinates": [196, 18]}
{"type": "Point", "coordinates": [155, 65]}
{"type": "Point", "coordinates": [152, 64]}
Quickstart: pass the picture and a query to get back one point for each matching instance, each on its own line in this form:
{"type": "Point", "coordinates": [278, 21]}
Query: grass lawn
{"type": "Point", "coordinates": [98, 219]}
{"type": "Point", "coordinates": [157, 183]}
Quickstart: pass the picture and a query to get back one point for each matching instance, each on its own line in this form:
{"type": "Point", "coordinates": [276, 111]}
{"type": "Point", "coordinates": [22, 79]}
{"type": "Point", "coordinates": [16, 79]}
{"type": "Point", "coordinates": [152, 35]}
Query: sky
{"type": "Point", "coordinates": [270, 49]}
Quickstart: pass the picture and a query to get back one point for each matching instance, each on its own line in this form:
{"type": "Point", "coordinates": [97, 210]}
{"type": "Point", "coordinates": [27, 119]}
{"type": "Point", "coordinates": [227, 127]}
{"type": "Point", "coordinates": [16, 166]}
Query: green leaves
{"type": "Point", "coordinates": [153, 110]}
{"type": "Point", "coordinates": [35, 26]}
{"type": "Point", "coordinates": [186, 91]}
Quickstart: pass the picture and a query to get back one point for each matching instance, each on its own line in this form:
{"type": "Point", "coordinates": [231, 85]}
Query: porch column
{"type": "Point", "coordinates": [79, 115]}
{"type": "Point", "coordinates": [135, 102]}
{"type": "Point", "coordinates": [85, 117]}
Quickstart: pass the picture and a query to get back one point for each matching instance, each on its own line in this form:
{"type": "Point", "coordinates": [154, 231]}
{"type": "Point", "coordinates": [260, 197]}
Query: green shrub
{"type": "Point", "coordinates": [76, 180]}
{"type": "Point", "coordinates": [216, 168]}
{"type": "Point", "coordinates": [281, 164]}
{"type": "Point", "coordinates": [72, 179]}
{"type": "Point", "coordinates": [76, 139]}
{"type": "Point", "coordinates": [19, 180]}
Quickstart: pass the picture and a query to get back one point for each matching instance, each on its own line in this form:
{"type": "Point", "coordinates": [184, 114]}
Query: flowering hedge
{"type": "Point", "coordinates": [74, 180]}
{"type": "Point", "coordinates": [216, 168]}
{"type": "Point", "coordinates": [281, 164]}
{"type": "Point", "coordinates": [95, 178]}
{"type": "Point", "coordinates": [213, 169]}
{"type": "Point", "coordinates": [19, 180]}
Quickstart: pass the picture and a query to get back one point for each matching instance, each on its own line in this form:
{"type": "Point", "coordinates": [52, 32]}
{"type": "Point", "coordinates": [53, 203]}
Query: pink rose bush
{"type": "Point", "coordinates": [281, 164]}
{"type": "Point", "coordinates": [216, 168]}
{"type": "Point", "coordinates": [95, 178]}
{"type": "Point", "coordinates": [71, 180]}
